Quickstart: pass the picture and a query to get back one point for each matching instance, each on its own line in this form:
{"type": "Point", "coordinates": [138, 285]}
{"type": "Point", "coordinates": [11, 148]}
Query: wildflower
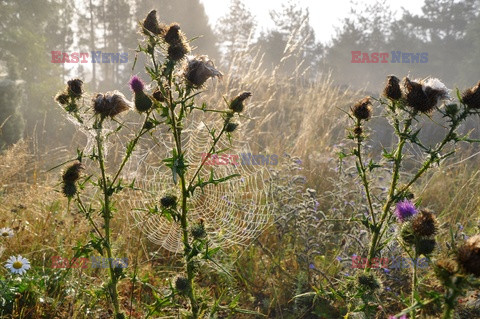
{"type": "Point", "coordinates": [404, 210]}
{"type": "Point", "coordinates": [230, 127]}
{"type": "Point", "coordinates": [6, 232]}
{"type": "Point", "coordinates": [75, 87]}
{"type": "Point", "coordinates": [424, 223]}
{"type": "Point", "coordinates": [401, 317]}
{"type": "Point", "coordinates": [199, 69]}
{"type": "Point", "coordinates": [72, 173]}
{"type": "Point", "coordinates": [236, 105]}
{"type": "Point", "coordinates": [151, 24]}
{"type": "Point", "coordinates": [110, 104]}
{"type": "Point", "coordinates": [17, 265]}
{"type": "Point", "coordinates": [423, 96]}
{"type": "Point", "coordinates": [369, 281]}
{"type": "Point", "coordinates": [362, 110]}
{"type": "Point", "coordinates": [136, 84]}
{"type": "Point", "coordinates": [142, 101]}
{"type": "Point", "coordinates": [392, 89]}
{"type": "Point", "coordinates": [425, 246]}
{"type": "Point", "coordinates": [182, 284]}
{"type": "Point", "coordinates": [168, 201]}
{"type": "Point", "coordinates": [469, 255]}
{"type": "Point", "coordinates": [471, 97]}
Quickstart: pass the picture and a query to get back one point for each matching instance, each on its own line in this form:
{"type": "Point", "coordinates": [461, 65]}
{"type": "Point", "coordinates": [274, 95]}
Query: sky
{"type": "Point", "coordinates": [324, 16]}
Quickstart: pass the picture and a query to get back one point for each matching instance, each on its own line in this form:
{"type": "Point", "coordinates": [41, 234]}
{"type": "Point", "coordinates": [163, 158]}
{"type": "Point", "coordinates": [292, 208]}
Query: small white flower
{"type": "Point", "coordinates": [6, 232]}
{"type": "Point", "coordinates": [17, 265]}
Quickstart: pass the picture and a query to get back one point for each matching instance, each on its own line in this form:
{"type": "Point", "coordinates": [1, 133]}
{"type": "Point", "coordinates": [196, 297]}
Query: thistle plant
{"type": "Point", "coordinates": [406, 104]}
{"type": "Point", "coordinates": [100, 117]}
{"type": "Point", "coordinates": [177, 78]}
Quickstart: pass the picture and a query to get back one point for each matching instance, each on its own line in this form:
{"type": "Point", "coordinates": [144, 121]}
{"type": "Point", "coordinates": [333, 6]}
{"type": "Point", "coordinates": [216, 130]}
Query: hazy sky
{"type": "Point", "coordinates": [323, 17]}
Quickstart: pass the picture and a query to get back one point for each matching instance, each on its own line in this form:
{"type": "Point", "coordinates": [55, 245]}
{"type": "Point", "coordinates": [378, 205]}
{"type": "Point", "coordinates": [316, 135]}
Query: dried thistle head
{"type": "Point", "coordinates": [110, 104]}
{"type": "Point", "coordinates": [199, 69]}
{"type": "Point", "coordinates": [230, 127]}
{"type": "Point", "coordinates": [178, 51]}
{"type": "Point", "coordinates": [468, 256]}
{"type": "Point", "coordinates": [72, 173]}
{"type": "Point", "coordinates": [392, 89]}
{"type": "Point", "coordinates": [173, 34]}
{"type": "Point", "coordinates": [62, 98]}
{"type": "Point", "coordinates": [423, 96]}
{"type": "Point", "coordinates": [445, 269]}
{"type": "Point", "coordinates": [158, 95]}
{"type": "Point", "coordinates": [424, 224]}
{"type": "Point", "coordinates": [358, 130]}
{"type": "Point", "coordinates": [236, 105]}
{"type": "Point", "coordinates": [74, 87]}
{"type": "Point", "coordinates": [151, 24]}
{"type": "Point", "coordinates": [362, 110]}
{"type": "Point", "coordinates": [471, 97]}
{"type": "Point", "coordinates": [69, 189]}
{"type": "Point", "coordinates": [198, 231]}
{"type": "Point", "coordinates": [425, 246]}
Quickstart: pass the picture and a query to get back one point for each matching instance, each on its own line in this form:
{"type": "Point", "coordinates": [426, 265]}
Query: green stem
{"type": "Point", "coordinates": [414, 284]}
{"type": "Point", "coordinates": [112, 286]}
{"type": "Point", "coordinates": [184, 213]}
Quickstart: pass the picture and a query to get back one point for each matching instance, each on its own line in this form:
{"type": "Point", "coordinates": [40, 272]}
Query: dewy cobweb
{"type": "Point", "coordinates": [233, 212]}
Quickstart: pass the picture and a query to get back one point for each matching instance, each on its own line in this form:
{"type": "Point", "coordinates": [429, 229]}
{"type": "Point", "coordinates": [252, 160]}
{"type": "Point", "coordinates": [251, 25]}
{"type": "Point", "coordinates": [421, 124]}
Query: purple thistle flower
{"type": "Point", "coordinates": [311, 266]}
{"type": "Point", "coordinates": [136, 84]}
{"type": "Point", "coordinates": [405, 209]}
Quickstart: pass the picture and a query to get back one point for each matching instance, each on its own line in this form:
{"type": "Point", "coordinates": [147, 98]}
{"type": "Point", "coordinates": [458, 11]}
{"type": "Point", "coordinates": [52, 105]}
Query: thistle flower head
{"type": "Point", "coordinates": [362, 110]}
{"type": "Point", "coordinates": [173, 34]}
{"type": "Point", "coordinates": [198, 231]}
{"type": "Point", "coordinates": [158, 95]}
{"type": "Point", "coordinates": [445, 269]}
{"type": "Point", "coordinates": [424, 224]}
{"type": "Point", "coordinates": [110, 104]}
{"type": "Point", "coordinates": [392, 89]}
{"type": "Point", "coordinates": [151, 24]}
{"type": "Point", "coordinates": [469, 256]}
{"type": "Point", "coordinates": [62, 98]}
{"type": "Point", "coordinates": [471, 97]}
{"type": "Point", "coordinates": [69, 189]}
{"type": "Point", "coordinates": [75, 87]}
{"type": "Point", "coordinates": [423, 96]}
{"type": "Point", "coordinates": [199, 69]}
{"type": "Point", "coordinates": [182, 284]}
{"type": "Point", "coordinates": [369, 282]}
{"type": "Point", "coordinates": [230, 127]}
{"type": "Point", "coordinates": [404, 210]}
{"type": "Point", "coordinates": [425, 246]}
{"type": "Point", "coordinates": [72, 173]}
{"type": "Point", "coordinates": [236, 105]}
{"type": "Point", "coordinates": [406, 233]}
{"type": "Point", "coordinates": [178, 51]}
{"type": "Point", "coordinates": [136, 84]}
{"type": "Point", "coordinates": [168, 201]}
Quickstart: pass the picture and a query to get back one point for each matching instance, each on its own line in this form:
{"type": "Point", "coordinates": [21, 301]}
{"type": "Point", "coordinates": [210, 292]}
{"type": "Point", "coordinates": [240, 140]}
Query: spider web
{"type": "Point", "coordinates": [233, 211]}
